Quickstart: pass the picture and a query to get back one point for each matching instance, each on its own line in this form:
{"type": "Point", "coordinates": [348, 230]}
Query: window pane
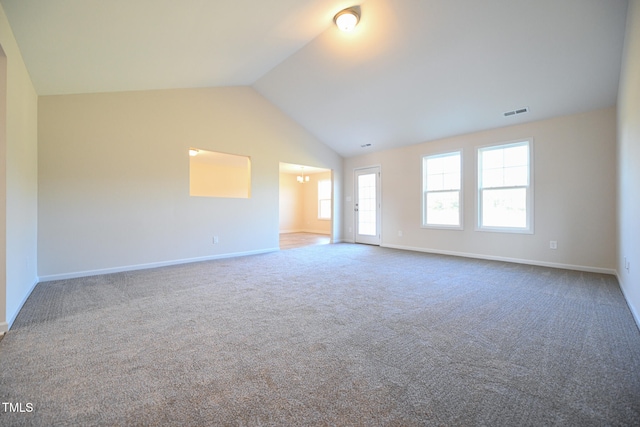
{"type": "Point", "coordinates": [452, 163]}
{"type": "Point", "coordinates": [500, 169]}
{"type": "Point", "coordinates": [324, 209]}
{"type": "Point", "coordinates": [492, 158]}
{"type": "Point", "coordinates": [516, 176]}
{"type": "Point", "coordinates": [516, 156]}
{"type": "Point", "coordinates": [492, 178]}
{"type": "Point", "coordinates": [368, 180]}
{"type": "Point", "coordinates": [443, 208]}
{"type": "Point", "coordinates": [434, 182]}
{"type": "Point", "coordinates": [440, 173]}
{"type": "Point", "coordinates": [324, 199]}
{"type": "Point", "coordinates": [367, 203]}
{"type": "Point", "coordinates": [504, 208]}
{"type": "Point", "coordinates": [324, 189]}
{"type": "Point", "coordinates": [435, 165]}
{"type": "Point", "coordinates": [451, 181]}
{"type": "Point", "coordinates": [367, 224]}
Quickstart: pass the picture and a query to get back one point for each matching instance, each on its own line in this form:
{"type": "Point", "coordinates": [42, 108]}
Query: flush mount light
{"type": "Point", "coordinates": [347, 19]}
{"type": "Point", "coordinates": [193, 152]}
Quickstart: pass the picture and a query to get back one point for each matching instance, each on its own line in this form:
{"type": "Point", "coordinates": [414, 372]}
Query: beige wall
{"type": "Point", "coordinates": [114, 177]}
{"type": "Point", "coordinates": [310, 206]}
{"type": "Point", "coordinates": [291, 219]}
{"type": "Point", "coordinates": [574, 194]}
{"type": "Point", "coordinates": [629, 164]}
{"type": "Point", "coordinates": [299, 205]}
{"type": "Point", "coordinates": [18, 179]}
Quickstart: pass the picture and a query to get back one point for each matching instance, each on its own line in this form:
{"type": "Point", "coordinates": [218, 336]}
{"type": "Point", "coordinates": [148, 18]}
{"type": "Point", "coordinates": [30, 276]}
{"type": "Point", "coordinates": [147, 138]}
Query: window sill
{"type": "Point", "coordinates": [505, 230]}
{"type": "Point", "coordinates": [442, 227]}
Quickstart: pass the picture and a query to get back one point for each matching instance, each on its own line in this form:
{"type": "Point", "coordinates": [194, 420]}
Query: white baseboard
{"type": "Point", "coordinates": [87, 273]}
{"type": "Point", "coordinates": [306, 230]}
{"type": "Point", "coordinates": [506, 259]}
{"type": "Point", "coordinates": [5, 326]}
{"type": "Point", "coordinates": [634, 312]}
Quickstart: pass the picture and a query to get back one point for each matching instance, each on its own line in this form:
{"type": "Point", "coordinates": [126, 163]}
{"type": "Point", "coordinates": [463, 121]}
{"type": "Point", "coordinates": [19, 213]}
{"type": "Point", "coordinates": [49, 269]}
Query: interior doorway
{"type": "Point", "coordinates": [306, 205]}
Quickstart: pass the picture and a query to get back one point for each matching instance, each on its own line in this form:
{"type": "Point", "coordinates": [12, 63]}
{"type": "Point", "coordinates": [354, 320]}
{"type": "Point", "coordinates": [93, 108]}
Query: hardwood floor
{"type": "Point", "coordinates": [298, 240]}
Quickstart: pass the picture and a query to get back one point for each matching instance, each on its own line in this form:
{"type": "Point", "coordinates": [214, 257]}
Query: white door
{"type": "Point", "coordinates": [367, 205]}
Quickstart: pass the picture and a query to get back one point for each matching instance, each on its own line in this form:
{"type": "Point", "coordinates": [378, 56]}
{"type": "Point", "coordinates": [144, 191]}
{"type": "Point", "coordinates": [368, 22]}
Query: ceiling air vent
{"type": "Point", "coordinates": [516, 112]}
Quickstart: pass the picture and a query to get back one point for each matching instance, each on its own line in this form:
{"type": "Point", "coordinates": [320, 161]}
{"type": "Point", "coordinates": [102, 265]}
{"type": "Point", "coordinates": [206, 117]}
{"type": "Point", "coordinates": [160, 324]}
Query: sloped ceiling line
{"type": "Point", "coordinates": [412, 71]}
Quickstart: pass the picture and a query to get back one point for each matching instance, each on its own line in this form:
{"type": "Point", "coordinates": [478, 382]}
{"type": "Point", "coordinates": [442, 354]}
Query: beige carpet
{"type": "Point", "coordinates": [326, 335]}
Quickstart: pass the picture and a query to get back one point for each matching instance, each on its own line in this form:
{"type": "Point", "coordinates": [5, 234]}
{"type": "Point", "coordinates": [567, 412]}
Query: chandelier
{"type": "Point", "coordinates": [301, 178]}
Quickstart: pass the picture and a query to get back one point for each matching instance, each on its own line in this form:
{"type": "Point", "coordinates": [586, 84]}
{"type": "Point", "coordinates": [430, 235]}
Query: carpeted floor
{"type": "Point", "coordinates": [326, 335]}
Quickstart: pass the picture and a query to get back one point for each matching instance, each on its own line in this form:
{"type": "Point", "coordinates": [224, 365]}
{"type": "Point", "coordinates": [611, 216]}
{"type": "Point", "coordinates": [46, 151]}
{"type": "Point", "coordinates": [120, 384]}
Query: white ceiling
{"type": "Point", "coordinates": [412, 71]}
{"type": "Point", "coordinates": [80, 46]}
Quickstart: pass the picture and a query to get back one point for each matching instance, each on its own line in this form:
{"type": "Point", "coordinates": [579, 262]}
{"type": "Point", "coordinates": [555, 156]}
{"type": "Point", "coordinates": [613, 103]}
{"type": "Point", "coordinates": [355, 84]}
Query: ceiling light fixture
{"type": "Point", "coordinates": [193, 152]}
{"type": "Point", "coordinates": [302, 179]}
{"type": "Point", "coordinates": [347, 19]}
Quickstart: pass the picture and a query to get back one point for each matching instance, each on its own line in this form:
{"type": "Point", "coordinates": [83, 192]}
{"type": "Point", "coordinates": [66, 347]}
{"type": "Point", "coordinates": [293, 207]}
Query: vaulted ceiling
{"type": "Point", "coordinates": [412, 71]}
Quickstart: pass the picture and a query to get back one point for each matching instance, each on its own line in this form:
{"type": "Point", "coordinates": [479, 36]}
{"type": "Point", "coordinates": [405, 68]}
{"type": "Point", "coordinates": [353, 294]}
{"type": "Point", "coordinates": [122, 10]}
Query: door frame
{"type": "Point", "coordinates": [369, 240]}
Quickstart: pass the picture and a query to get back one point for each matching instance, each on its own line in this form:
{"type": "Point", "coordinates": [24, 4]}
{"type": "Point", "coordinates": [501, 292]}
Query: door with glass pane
{"type": "Point", "coordinates": [367, 206]}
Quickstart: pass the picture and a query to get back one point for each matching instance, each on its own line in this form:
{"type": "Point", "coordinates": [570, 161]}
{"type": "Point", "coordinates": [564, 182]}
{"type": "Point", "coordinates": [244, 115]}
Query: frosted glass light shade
{"type": "Point", "coordinates": [347, 20]}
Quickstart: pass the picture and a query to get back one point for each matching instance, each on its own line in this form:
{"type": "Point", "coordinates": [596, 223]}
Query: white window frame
{"type": "Point", "coordinates": [528, 228]}
{"type": "Point", "coordinates": [324, 218]}
{"type": "Point", "coordinates": [460, 225]}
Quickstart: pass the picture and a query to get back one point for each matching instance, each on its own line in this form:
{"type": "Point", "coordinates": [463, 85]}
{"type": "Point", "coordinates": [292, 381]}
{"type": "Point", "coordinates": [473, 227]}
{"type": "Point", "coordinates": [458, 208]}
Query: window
{"type": "Point", "coordinates": [441, 191]}
{"type": "Point", "coordinates": [504, 188]}
{"type": "Point", "coordinates": [324, 199]}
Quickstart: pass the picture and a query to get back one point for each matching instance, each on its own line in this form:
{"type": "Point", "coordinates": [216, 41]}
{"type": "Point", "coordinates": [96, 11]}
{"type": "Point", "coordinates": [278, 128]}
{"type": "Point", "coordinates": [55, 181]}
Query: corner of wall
{"type": "Point", "coordinates": [19, 193]}
{"type": "Point", "coordinates": [628, 162]}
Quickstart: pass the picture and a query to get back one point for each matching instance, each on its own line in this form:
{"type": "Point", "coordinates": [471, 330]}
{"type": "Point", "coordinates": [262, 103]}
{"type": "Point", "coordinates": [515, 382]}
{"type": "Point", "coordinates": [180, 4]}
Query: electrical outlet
{"type": "Point", "coordinates": [399, 233]}
{"type": "Point", "coordinates": [215, 240]}
{"type": "Point", "coordinates": [553, 244]}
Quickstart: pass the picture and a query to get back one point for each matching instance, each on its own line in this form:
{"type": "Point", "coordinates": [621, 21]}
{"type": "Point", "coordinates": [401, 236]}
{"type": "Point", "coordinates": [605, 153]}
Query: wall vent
{"type": "Point", "coordinates": [516, 112]}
